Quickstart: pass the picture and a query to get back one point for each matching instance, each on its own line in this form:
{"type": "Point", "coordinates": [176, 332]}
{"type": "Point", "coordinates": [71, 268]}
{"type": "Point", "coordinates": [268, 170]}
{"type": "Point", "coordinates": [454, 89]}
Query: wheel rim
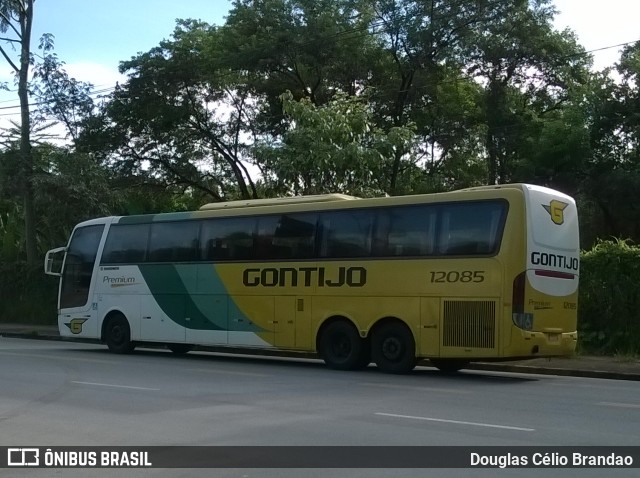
{"type": "Point", "coordinates": [392, 349]}
{"type": "Point", "coordinates": [117, 334]}
{"type": "Point", "coordinates": [341, 347]}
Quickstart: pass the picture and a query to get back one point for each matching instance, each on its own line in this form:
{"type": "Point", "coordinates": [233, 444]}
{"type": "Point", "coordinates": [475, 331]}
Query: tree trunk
{"type": "Point", "coordinates": [26, 20]}
{"type": "Point", "coordinates": [493, 112]}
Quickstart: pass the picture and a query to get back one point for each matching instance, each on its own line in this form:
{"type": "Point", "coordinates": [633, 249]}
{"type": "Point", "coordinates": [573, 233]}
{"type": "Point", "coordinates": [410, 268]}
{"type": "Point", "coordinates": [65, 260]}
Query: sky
{"type": "Point", "coordinates": [93, 36]}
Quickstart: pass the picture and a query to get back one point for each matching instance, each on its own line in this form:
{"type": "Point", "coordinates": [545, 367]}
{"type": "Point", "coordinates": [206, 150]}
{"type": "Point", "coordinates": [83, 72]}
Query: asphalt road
{"type": "Point", "coordinates": [62, 393]}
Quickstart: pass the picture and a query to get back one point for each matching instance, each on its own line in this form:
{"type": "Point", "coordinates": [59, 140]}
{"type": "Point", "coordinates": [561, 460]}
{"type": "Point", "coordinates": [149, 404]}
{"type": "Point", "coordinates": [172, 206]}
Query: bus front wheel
{"type": "Point", "coordinates": [393, 348]}
{"type": "Point", "coordinates": [117, 335]}
{"type": "Point", "coordinates": [341, 347]}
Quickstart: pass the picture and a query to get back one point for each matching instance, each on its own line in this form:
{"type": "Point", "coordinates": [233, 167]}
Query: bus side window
{"type": "Point", "coordinates": [228, 239]}
{"type": "Point", "coordinates": [468, 229]}
{"type": "Point", "coordinates": [295, 235]}
{"type": "Point", "coordinates": [346, 233]}
{"type": "Point", "coordinates": [126, 244]}
{"type": "Point", "coordinates": [405, 231]}
{"type": "Point", "coordinates": [286, 236]}
{"type": "Point", "coordinates": [173, 241]}
{"type": "Point", "coordinates": [264, 244]}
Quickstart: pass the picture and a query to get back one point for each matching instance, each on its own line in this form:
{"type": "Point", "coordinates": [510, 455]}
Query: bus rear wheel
{"type": "Point", "coordinates": [449, 365]}
{"type": "Point", "coordinates": [393, 348]}
{"type": "Point", "coordinates": [117, 334]}
{"type": "Point", "coordinates": [341, 347]}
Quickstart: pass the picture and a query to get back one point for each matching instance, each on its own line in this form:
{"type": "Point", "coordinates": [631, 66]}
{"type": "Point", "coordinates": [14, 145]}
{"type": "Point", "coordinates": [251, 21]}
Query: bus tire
{"type": "Point", "coordinates": [449, 365]}
{"type": "Point", "coordinates": [117, 335]}
{"type": "Point", "coordinates": [341, 347]}
{"type": "Point", "coordinates": [393, 348]}
{"type": "Point", "coordinates": [180, 349]}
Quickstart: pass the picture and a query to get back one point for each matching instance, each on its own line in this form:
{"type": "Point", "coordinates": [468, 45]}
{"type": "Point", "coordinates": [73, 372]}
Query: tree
{"type": "Point", "coordinates": [179, 118]}
{"type": "Point", "coordinates": [16, 20]}
{"type": "Point", "coordinates": [312, 48]}
{"type": "Point", "coordinates": [629, 100]}
{"type": "Point", "coordinates": [527, 69]}
{"type": "Point", "coordinates": [60, 98]}
{"type": "Point", "coordinates": [335, 147]}
{"type": "Point", "coordinates": [610, 190]}
{"type": "Point", "coordinates": [418, 78]}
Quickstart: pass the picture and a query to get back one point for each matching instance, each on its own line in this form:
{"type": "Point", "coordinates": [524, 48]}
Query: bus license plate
{"type": "Point", "coordinates": [554, 338]}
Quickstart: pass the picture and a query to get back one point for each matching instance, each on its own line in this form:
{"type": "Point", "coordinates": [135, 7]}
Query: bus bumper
{"type": "Point", "coordinates": [542, 344]}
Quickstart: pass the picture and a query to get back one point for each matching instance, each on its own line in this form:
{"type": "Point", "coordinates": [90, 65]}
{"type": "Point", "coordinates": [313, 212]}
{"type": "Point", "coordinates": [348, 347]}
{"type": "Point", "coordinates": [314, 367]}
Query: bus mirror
{"type": "Point", "coordinates": [53, 261]}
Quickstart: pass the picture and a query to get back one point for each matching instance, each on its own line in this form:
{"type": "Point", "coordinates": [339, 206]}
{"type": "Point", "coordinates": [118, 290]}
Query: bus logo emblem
{"type": "Point", "coordinates": [75, 326]}
{"type": "Point", "coordinates": [556, 211]}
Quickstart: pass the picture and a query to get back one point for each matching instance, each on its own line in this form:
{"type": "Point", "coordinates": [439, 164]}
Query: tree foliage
{"type": "Point", "coordinates": [356, 96]}
{"type": "Point", "coordinates": [178, 119]}
{"type": "Point", "coordinates": [610, 299]}
{"type": "Point", "coordinates": [334, 147]}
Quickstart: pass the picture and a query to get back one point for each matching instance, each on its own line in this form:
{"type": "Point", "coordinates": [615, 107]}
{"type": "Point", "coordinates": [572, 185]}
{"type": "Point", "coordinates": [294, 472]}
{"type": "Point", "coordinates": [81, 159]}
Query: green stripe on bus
{"type": "Point", "coordinates": [173, 288]}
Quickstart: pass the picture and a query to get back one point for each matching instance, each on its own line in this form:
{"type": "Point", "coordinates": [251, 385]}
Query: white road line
{"type": "Point", "coordinates": [413, 388]}
{"type": "Point", "coordinates": [56, 357]}
{"type": "Point", "coordinates": [620, 405]}
{"type": "Point", "coordinates": [115, 386]}
{"type": "Point", "coordinates": [457, 422]}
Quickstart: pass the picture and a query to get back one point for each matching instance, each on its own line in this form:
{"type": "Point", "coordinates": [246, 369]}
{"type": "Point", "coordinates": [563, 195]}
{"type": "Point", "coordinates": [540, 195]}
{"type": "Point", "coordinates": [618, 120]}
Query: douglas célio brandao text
{"type": "Point", "coordinates": [548, 459]}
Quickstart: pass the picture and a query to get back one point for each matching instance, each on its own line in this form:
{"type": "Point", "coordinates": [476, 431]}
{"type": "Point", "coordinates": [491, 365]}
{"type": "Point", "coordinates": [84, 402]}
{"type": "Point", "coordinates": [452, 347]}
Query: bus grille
{"type": "Point", "coordinates": [469, 324]}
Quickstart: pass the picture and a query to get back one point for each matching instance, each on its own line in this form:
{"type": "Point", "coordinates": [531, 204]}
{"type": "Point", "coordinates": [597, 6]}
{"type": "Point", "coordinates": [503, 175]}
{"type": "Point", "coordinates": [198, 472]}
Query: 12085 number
{"type": "Point", "coordinates": [457, 276]}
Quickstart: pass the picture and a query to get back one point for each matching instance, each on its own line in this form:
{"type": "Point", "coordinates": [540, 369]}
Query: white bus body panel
{"type": "Point", "coordinates": [553, 243]}
{"type": "Point", "coordinates": [123, 289]}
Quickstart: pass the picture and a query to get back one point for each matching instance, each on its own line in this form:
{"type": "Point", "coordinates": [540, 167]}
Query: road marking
{"type": "Point", "coordinates": [115, 386]}
{"type": "Point", "coordinates": [457, 422]}
{"type": "Point", "coordinates": [55, 357]}
{"type": "Point", "coordinates": [413, 388]}
{"type": "Point", "coordinates": [229, 372]}
{"type": "Point", "coordinates": [620, 405]}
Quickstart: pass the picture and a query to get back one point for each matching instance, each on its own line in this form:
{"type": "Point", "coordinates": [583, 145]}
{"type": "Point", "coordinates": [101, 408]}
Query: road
{"type": "Point", "coordinates": [64, 393]}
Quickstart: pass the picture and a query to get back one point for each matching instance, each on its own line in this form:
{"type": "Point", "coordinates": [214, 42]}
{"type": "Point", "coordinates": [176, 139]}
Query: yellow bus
{"type": "Point", "coordinates": [487, 273]}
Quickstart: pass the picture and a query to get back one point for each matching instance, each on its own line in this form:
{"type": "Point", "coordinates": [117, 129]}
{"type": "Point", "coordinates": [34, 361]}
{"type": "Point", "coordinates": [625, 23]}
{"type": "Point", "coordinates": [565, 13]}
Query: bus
{"type": "Point", "coordinates": [481, 274]}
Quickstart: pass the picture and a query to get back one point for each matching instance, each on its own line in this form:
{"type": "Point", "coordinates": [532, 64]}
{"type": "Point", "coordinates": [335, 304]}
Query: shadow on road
{"type": "Point", "coordinates": [258, 362]}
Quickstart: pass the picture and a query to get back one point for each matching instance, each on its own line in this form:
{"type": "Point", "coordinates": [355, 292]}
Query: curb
{"type": "Point", "coordinates": [40, 336]}
{"type": "Point", "coordinates": [480, 366]}
{"type": "Point", "coordinates": [534, 369]}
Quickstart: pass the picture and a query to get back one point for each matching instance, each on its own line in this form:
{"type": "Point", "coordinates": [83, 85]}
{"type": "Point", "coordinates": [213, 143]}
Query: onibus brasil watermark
{"type": "Point", "coordinates": [321, 457]}
{"type": "Point", "coordinates": [47, 457]}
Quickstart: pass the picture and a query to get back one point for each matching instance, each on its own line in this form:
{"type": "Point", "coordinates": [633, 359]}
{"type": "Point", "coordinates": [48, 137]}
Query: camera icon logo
{"type": "Point", "coordinates": [23, 457]}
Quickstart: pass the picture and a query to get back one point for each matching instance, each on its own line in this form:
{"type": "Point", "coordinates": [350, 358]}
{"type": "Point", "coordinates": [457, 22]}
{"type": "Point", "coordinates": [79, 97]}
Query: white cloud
{"type": "Point", "coordinates": [101, 76]}
{"type": "Point", "coordinates": [600, 24]}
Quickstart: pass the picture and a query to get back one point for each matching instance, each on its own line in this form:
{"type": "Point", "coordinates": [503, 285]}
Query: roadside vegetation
{"type": "Point", "coordinates": [609, 304]}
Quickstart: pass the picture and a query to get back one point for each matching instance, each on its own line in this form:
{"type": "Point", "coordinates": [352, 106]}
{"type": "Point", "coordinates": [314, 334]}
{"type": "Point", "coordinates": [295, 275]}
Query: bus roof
{"type": "Point", "coordinates": [314, 202]}
{"type": "Point", "coordinates": [277, 201]}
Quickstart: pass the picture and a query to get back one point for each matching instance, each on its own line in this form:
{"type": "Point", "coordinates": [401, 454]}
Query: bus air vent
{"type": "Point", "coordinates": [469, 323]}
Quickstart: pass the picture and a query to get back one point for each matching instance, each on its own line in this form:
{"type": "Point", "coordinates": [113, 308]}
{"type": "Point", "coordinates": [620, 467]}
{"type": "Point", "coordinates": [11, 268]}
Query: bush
{"type": "Point", "coordinates": [27, 295]}
{"type": "Point", "coordinates": [609, 304]}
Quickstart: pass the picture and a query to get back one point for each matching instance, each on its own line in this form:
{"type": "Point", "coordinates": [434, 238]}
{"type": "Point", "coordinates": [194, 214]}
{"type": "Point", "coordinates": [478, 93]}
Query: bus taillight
{"type": "Point", "coordinates": [520, 318]}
